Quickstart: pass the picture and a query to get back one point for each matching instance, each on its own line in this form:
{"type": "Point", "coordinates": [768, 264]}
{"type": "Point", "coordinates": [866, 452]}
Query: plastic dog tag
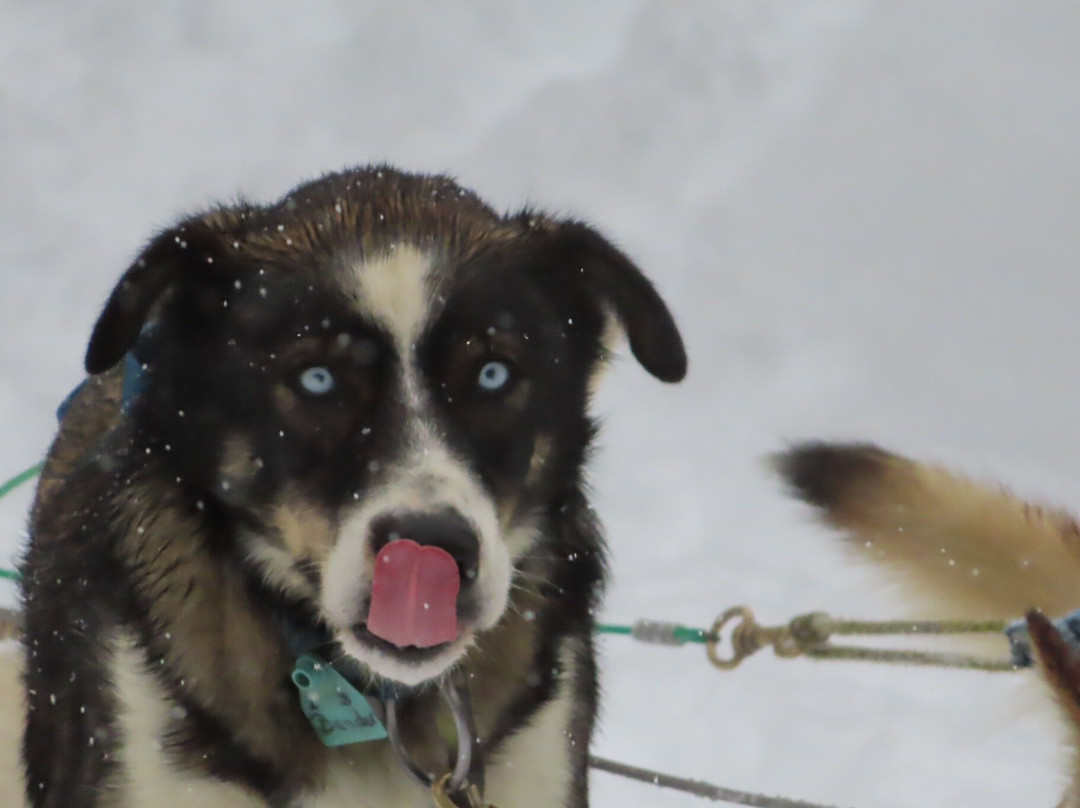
{"type": "Point", "coordinates": [338, 712]}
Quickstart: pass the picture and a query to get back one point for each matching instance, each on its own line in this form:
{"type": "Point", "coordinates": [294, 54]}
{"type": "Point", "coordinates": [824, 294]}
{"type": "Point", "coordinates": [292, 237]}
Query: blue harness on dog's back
{"type": "Point", "coordinates": [134, 382]}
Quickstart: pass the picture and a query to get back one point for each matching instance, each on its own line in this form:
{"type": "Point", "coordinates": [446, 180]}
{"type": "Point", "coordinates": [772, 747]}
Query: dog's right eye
{"type": "Point", "coordinates": [316, 380]}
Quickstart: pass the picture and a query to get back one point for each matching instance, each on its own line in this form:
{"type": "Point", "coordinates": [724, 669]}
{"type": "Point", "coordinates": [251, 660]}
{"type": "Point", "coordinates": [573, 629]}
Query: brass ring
{"type": "Point", "coordinates": [714, 638]}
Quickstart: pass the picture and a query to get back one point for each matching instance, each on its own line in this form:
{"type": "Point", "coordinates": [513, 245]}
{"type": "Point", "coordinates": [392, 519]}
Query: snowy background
{"type": "Point", "coordinates": [863, 213]}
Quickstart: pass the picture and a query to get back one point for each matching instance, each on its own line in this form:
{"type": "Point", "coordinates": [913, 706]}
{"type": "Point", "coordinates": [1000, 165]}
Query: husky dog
{"type": "Point", "coordinates": [934, 529]}
{"type": "Point", "coordinates": [353, 422]}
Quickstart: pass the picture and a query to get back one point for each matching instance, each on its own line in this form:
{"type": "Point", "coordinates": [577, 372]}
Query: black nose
{"type": "Point", "coordinates": [446, 530]}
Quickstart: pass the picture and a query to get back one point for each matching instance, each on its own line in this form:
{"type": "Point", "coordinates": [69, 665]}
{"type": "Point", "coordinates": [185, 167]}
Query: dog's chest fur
{"type": "Point", "coordinates": [533, 769]}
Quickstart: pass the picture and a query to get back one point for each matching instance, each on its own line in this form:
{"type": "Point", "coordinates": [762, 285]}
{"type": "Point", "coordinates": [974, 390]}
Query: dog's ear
{"type": "Point", "coordinates": [608, 275]}
{"type": "Point", "coordinates": [185, 252]}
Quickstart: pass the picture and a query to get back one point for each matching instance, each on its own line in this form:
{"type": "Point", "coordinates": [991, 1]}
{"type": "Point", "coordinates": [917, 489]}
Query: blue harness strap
{"type": "Point", "coordinates": [1020, 640]}
{"type": "Point", "coordinates": [134, 380]}
{"type": "Point", "coordinates": [65, 405]}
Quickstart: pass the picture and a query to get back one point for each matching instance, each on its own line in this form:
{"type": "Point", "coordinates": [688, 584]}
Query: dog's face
{"type": "Point", "coordinates": [380, 386]}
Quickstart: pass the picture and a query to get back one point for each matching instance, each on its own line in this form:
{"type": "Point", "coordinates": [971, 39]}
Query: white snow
{"type": "Point", "coordinates": [863, 212]}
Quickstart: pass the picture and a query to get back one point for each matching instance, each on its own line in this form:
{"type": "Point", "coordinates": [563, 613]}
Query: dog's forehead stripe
{"type": "Point", "coordinates": [397, 292]}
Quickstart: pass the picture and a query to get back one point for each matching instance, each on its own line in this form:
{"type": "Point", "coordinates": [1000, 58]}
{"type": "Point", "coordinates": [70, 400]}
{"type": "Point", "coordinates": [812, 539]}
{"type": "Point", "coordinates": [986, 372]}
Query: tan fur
{"type": "Point", "coordinates": [93, 413]}
{"type": "Point", "coordinates": [970, 549]}
{"type": "Point", "coordinates": [11, 720]}
{"type": "Point", "coordinates": [967, 550]}
{"type": "Point", "coordinates": [541, 452]}
{"type": "Point", "coordinates": [394, 290]}
{"type": "Point", "coordinates": [305, 529]}
{"type": "Point", "coordinates": [238, 463]}
{"type": "Point", "coordinates": [211, 624]}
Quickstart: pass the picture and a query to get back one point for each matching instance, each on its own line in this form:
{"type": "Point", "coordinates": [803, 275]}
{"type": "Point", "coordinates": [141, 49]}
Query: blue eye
{"type": "Point", "coordinates": [494, 376]}
{"type": "Point", "coordinates": [317, 380]}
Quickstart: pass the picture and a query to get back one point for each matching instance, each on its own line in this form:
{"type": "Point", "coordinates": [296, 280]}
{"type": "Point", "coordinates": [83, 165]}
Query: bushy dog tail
{"type": "Point", "coordinates": [972, 550]}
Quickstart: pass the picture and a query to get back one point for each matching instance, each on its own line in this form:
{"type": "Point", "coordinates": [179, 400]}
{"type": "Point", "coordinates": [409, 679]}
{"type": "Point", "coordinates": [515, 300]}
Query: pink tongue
{"type": "Point", "coordinates": [414, 595]}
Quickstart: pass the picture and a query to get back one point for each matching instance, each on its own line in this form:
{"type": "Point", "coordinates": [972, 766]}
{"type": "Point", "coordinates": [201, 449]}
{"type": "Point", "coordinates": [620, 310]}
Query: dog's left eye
{"type": "Point", "coordinates": [494, 376]}
{"type": "Point", "coordinates": [316, 380]}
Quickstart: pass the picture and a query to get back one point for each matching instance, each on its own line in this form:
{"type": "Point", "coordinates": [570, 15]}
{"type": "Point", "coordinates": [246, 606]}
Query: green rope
{"type": "Point", "coordinates": [656, 632]}
{"type": "Point", "coordinates": [20, 478]}
{"type": "Point", "coordinates": [7, 488]}
{"type": "Point", "coordinates": [691, 634]}
{"type": "Point", "coordinates": [607, 628]}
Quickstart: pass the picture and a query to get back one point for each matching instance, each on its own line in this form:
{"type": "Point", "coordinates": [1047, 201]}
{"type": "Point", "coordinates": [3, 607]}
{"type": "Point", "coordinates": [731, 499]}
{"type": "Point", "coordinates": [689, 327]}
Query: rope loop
{"type": "Point", "coordinates": [810, 634]}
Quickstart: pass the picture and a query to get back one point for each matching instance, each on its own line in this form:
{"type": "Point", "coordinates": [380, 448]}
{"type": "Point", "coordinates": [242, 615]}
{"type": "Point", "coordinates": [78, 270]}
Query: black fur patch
{"type": "Point", "coordinates": [821, 474]}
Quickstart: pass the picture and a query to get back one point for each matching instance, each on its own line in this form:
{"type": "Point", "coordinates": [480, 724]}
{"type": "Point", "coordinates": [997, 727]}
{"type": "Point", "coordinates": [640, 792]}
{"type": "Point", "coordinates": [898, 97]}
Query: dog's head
{"type": "Point", "coordinates": [380, 385]}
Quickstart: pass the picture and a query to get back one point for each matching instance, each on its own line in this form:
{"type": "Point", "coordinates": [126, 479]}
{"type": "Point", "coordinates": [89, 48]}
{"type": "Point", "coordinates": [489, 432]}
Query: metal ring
{"type": "Point", "coordinates": [461, 709]}
{"type": "Point", "coordinates": [714, 637]}
{"type": "Point", "coordinates": [394, 733]}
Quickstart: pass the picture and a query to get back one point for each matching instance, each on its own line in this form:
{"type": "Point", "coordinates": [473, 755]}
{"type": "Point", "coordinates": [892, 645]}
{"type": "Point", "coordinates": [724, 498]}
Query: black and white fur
{"type": "Point", "coordinates": [174, 532]}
